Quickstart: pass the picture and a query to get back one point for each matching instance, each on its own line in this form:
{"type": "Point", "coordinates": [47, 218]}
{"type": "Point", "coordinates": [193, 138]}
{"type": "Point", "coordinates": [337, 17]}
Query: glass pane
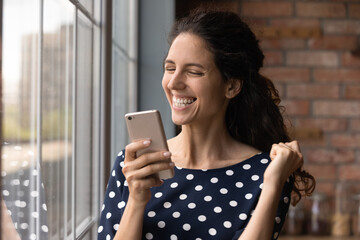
{"type": "Point", "coordinates": [88, 4]}
{"type": "Point", "coordinates": [22, 191]}
{"type": "Point", "coordinates": [97, 10]}
{"type": "Point", "coordinates": [119, 101]}
{"type": "Point", "coordinates": [96, 121]}
{"type": "Point", "coordinates": [120, 25]}
{"type": "Point", "coordinates": [84, 104]}
{"type": "Point", "coordinates": [57, 113]}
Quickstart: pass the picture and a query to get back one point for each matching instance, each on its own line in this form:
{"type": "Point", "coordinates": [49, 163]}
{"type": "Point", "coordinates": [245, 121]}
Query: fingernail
{"type": "Point", "coordinates": [146, 142]}
{"type": "Point", "coordinates": [171, 164]}
{"type": "Point", "coordinates": [167, 154]}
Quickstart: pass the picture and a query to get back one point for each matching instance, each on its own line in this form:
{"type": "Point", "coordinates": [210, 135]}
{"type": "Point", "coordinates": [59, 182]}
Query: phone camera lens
{"type": "Point", "coordinates": [130, 118]}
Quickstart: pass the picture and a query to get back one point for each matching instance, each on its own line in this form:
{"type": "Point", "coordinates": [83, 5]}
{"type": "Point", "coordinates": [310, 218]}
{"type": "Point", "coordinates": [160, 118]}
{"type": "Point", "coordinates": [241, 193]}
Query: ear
{"type": "Point", "coordinates": [233, 88]}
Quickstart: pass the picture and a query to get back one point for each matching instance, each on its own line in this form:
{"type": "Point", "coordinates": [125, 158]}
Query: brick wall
{"type": "Point", "coordinates": [318, 79]}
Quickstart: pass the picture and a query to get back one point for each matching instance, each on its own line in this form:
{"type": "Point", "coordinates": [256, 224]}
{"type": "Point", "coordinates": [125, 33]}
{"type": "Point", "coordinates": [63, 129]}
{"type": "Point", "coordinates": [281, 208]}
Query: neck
{"type": "Point", "coordinates": [202, 146]}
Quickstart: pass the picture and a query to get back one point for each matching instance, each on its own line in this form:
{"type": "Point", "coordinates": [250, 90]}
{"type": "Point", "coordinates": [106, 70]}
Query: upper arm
{"type": "Point", "coordinates": [114, 201]}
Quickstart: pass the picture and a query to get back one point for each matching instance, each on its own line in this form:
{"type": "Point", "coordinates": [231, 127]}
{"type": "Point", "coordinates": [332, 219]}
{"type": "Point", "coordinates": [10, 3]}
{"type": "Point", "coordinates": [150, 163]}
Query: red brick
{"type": "Point", "coordinates": [282, 43]}
{"type": "Point", "coordinates": [294, 22]}
{"type": "Point", "coordinates": [337, 108]}
{"type": "Point", "coordinates": [345, 140]}
{"type": "Point", "coordinates": [342, 26]}
{"type": "Point", "coordinates": [255, 22]}
{"type": "Point", "coordinates": [322, 172]}
{"type": "Point", "coordinates": [354, 10]}
{"type": "Point", "coordinates": [352, 92]}
{"type": "Point", "coordinates": [325, 124]}
{"type": "Point", "coordinates": [312, 91]}
{"type": "Point", "coordinates": [349, 60]}
{"type": "Point", "coordinates": [313, 142]}
{"type": "Point", "coordinates": [296, 107]}
{"type": "Point", "coordinates": [355, 124]}
{"type": "Point", "coordinates": [337, 75]}
{"type": "Point", "coordinates": [307, 58]}
{"type": "Point", "coordinates": [266, 9]}
{"type": "Point", "coordinates": [320, 10]}
{"type": "Point", "coordinates": [334, 43]}
{"type": "Point", "coordinates": [330, 156]}
{"type": "Point", "coordinates": [349, 172]}
{"type": "Point", "coordinates": [273, 57]}
{"type": "Point", "coordinates": [287, 74]}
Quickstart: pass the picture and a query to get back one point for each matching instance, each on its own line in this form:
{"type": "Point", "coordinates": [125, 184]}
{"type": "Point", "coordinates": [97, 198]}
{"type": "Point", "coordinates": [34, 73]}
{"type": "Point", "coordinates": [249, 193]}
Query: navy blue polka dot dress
{"type": "Point", "coordinates": [195, 204]}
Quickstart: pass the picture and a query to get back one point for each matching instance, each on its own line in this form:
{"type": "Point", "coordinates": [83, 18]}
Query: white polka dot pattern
{"type": "Point", "coordinates": [195, 204]}
{"type": "Point", "coordinates": [21, 194]}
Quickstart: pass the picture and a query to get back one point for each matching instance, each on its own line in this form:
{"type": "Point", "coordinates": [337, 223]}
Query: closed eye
{"type": "Point", "coordinates": [198, 74]}
{"type": "Point", "coordinates": [169, 69]}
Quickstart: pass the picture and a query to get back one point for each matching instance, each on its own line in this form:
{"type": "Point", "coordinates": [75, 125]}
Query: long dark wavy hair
{"type": "Point", "coordinates": [254, 116]}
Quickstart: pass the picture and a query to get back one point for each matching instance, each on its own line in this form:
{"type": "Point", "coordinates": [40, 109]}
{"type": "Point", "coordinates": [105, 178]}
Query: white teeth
{"type": "Point", "coordinates": [182, 102]}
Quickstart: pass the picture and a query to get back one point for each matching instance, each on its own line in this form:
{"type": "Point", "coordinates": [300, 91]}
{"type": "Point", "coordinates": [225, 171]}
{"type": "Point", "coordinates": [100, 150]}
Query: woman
{"type": "Point", "coordinates": [230, 121]}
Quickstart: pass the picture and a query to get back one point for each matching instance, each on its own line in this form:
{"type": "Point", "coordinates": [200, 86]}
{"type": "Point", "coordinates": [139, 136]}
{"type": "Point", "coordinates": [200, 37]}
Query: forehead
{"type": "Point", "coordinates": [189, 47]}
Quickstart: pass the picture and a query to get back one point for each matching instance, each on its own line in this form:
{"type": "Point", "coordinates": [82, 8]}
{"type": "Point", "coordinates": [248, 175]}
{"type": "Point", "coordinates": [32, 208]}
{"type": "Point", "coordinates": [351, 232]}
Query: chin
{"type": "Point", "coordinates": [178, 120]}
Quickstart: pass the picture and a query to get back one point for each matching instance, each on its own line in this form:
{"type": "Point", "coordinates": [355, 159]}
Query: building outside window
{"type": "Point", "coordinates": [70, 72]}
{"type": "Point", "coordinates": [51, 96]}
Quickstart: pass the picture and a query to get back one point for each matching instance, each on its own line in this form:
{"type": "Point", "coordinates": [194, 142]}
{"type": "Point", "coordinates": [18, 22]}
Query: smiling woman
{"type": "Point", "coordinates": [234, 165]}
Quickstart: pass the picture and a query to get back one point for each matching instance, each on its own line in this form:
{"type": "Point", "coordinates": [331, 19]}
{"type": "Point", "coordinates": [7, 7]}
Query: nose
{"type": "Point", "coordinates": [176, 81]}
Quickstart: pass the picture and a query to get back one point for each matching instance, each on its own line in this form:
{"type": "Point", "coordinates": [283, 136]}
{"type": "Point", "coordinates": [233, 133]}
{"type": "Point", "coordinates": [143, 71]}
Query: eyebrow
{"type": "Point", "coordinates": [186, 65]}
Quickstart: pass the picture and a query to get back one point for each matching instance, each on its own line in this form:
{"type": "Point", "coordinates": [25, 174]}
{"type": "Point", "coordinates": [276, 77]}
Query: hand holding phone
{"type": "Point", "coordinates": [148, 125]}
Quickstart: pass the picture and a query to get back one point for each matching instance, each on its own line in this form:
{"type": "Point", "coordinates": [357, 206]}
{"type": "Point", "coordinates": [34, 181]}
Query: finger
{"type": "Point", "coordinates": [153, 169]}
{"type": "Point", "coordinates": [274, 151]}
{"type": "Point", "coordinates": [130, 149]}
{"type": "Point", "coordinates": [294, 145]}
{"type": "Point", "coordinates": [147, 183]}
{"type": "Point", "coordinates": [146, 171]}
{"type": "Point", "coordinates": [149, 158]}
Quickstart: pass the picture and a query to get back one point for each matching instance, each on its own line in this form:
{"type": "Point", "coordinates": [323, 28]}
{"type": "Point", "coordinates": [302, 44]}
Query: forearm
{"type": "Point", "coordinates": [131, 223]}
{"type": "Point", "coordinates": [261, 224]}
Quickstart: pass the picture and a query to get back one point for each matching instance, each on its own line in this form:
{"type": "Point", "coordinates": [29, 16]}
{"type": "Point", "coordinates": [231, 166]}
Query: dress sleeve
{"type": "Point", "coordinates": [114, 201]}
{"type": "Point", "coordinates": [282, 210]}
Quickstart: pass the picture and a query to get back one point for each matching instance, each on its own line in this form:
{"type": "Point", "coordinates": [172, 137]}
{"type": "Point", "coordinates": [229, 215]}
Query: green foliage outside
{"type": "Point", "coordinates": [18, 127]}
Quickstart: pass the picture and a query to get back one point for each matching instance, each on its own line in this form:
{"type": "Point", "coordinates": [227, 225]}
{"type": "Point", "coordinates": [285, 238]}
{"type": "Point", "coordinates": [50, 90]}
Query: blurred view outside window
{"type": "Point", "coordinates": [51, 117]}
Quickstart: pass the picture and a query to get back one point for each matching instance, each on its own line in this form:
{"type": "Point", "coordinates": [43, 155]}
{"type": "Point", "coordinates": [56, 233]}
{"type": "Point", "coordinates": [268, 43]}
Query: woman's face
{"type": "Point", "coordinates": [192, 82]}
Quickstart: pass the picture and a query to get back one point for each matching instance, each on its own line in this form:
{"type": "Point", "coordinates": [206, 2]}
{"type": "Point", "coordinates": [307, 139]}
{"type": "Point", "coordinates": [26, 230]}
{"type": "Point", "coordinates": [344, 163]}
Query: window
{"type": "Point", "coordinates": [50, 153]}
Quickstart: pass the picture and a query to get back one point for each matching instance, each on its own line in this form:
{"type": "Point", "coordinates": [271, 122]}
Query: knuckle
{"type": "Point", "coordinates": [145, 158]}
{"type": "Point", "coordinates": [127, 148]}
{"type": "Point", "coordinates": [125, 169]}
{"type": "Point", "coordinates": [151, 167]}
{"type": "Point", "coordinates": [130, 178]}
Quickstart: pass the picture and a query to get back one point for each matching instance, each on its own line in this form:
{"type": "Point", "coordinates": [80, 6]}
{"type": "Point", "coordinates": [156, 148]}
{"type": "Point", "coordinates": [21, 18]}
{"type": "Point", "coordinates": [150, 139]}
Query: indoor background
{"type": "Point", "coordinates": [71, 69]}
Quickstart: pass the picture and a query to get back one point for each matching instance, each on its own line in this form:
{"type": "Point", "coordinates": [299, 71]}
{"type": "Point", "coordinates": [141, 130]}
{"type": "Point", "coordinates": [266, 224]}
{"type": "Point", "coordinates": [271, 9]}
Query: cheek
{"type": "Point", "coordinates": [164, 84]}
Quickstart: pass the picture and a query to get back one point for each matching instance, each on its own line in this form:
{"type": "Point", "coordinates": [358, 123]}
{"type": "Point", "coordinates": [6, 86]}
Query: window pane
{"type": "Point", "coordinates": [57, 113]}
{"type": "Point", "coordinates": [22, 193]}
{"type": "Point", "coordinates": [97, 10]}
{"type": "Point", "coordinates": [84, 87]}
{"type": "Point", "coordinates": [119, 101]}
{"type": "Point", "coordinates": [120, 23]}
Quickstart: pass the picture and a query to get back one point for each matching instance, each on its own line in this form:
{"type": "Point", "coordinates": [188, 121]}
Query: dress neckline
{"type": "Point", "coordinates": [221, 168]}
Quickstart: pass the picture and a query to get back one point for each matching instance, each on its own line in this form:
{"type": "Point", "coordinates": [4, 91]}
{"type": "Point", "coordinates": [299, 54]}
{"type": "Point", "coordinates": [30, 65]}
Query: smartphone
{"type": "Point", "coordinates": [148, 125]}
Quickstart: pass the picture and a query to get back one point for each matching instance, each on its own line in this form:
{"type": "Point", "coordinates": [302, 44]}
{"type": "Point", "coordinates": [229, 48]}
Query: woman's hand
{"type": "Point", "coordinates": [140, 172]}
{"type": "Point", "coordinates": [286, 158]}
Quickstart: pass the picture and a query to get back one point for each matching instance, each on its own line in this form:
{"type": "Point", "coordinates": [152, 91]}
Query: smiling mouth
{"type": "Point", "coordinates": [182, 102]}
